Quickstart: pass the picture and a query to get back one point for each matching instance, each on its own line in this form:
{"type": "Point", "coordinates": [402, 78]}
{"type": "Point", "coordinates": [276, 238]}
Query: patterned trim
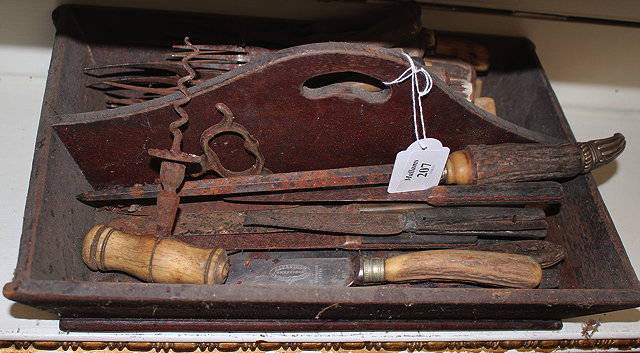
{"type": "Point", "coordinates": [258, 347]}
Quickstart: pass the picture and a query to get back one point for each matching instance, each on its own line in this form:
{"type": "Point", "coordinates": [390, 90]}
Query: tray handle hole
{"type": "Point", "coordinates": [346, 85]}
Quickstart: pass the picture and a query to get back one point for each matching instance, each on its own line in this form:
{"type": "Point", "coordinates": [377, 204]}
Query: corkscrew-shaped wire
{"type": "Point", "coordinates": [174, 127]}
{"type": "Point", "coordinates": [209, 161]}
{"type": "Point", "coordinates": [172, 169]}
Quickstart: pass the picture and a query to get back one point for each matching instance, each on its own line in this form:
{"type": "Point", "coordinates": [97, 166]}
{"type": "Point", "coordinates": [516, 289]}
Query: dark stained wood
{"type": "Point", "coordinates": [363, 128]}
{"type": "Point", "coordinates": [453, 219]}
{"type": "Point", "coordinates": [150, 325]}
{"type": "Point", "coordinates": [546, 253]}
{"type": "Point", "coordinates": [350, 303]}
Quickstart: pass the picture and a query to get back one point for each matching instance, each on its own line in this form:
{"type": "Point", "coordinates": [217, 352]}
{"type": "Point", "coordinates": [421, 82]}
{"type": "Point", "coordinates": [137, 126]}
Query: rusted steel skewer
{"type": "Point", "coordinates": [369, 175]}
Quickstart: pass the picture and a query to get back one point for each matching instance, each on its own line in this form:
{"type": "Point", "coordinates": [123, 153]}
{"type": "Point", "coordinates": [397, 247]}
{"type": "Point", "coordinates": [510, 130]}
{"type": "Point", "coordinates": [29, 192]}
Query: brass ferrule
{"type": "Point", "coordinates": [372, 270]}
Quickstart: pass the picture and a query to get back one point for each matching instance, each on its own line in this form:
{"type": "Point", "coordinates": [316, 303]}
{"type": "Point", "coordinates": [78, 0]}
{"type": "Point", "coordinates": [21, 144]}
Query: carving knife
{"type": "Point", "coordinates": [169, 260]}
{"type": "Point", "coordinates": [488, 221]}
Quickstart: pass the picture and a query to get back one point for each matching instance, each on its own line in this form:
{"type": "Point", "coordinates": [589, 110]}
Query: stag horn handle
{"type": "Point", "coordinates": [514, 162]}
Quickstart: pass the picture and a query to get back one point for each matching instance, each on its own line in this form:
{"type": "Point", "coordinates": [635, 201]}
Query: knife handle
{"type": "Point", "coordinates": [481, 267]}
{"type": "Point", "coordinates": [153, 259]}
{"type": "Point", "coordinates": [513, 162]}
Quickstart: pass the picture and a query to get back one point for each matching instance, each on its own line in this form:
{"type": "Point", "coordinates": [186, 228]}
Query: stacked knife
{"type": "Point", "coordinates": [497, 216]}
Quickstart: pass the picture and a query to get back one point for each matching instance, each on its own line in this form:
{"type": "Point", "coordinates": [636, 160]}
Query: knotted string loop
{"type": "Point", "coordinates": [412, 73]}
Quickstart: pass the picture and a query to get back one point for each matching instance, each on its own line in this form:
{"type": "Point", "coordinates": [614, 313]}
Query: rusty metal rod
{"type": "Point", "coordinates": [353, 176]}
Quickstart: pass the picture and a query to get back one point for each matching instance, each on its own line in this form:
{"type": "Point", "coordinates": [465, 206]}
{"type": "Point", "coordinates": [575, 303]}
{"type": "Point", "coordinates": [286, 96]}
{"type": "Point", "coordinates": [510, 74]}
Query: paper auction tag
{"type": "Point", "coordinates": [418, 169]}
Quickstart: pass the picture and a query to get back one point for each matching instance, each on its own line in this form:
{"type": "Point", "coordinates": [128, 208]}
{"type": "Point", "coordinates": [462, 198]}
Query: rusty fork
{"type": "Point", "coordinates": [130, 83]}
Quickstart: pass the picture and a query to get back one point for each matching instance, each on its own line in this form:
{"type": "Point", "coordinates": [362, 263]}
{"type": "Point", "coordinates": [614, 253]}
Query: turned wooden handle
{"type": "Point", "coordinates": [153, 259]}
{"type": "Point", "coordinates": [513, 162]}
{"type": "Point", "coordinates": [482, 267]}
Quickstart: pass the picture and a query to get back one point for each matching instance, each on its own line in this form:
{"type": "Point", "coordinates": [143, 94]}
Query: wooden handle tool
{"type": "Point", "coordinates": [153, 259]}
{"type": "Point", "coordinates": [513, 162]}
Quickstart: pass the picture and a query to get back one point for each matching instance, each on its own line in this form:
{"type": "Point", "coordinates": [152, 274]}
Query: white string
{"type": "Point", "coordinates": [412, 72]}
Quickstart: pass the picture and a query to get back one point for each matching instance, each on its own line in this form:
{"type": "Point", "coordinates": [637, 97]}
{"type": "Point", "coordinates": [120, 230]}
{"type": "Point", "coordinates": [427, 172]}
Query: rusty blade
{"type": "Point", "coordinates": [530, 193]}
{"type": "Point", "coordinates": [219, 223]}
{"type": "Point", "coordinates": [477, 221]}
{"type": "Point", "coordinates": [353, 176]}
{"type": "Point", "coordinates": [348, 223]}
{"type": "Point", "coordinates": [210, 223]}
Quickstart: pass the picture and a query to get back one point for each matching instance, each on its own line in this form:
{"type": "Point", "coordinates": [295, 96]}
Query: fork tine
{"type": "Point", "coordinates": [145, 80]}
{"type": "Point", "coordinates": [223, 59]}
{"type": "Point", "coordinates": [153, 65]}
{"type": "Point", "coordinates": [124, 101]}
{"type": "Point", "coordinates": [153, 90]}
{"type": "Point", "coordinates": [222, 48]}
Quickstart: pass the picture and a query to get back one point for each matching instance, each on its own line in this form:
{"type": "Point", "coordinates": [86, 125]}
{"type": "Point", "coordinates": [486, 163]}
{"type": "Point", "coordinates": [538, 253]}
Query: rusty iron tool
{"type": "Point", "coordinates": [172, 173]}
{"type": "Point", "coordinates": [209, 161]}
{"type": "Point", "coordinates": [232, 221]}
{"type": "Point", "coordinates": [174, 160]}
{"type": "Point", "coordinates": [368, 175]}
{"type": "Point", "coordinates": [214, 222]}
{"type": "Point", "coordinates": [202, 230]}
{"type": "Point", "coordinates": [526, 193]}
{"type": "Point", "coordinates": [481, 221]}
{"type": "Point", "coordinates": [477, 164]}
{"type": "Point", "coordinates": [170, 260]}
{"type": "Point", "coordinates": [300, 240]}
{"type": "Point", "coordinates": [225, 229]}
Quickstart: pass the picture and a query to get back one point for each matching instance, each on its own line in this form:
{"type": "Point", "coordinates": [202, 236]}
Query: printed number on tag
{"type": "Point", "coordinates": [418, 169]}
